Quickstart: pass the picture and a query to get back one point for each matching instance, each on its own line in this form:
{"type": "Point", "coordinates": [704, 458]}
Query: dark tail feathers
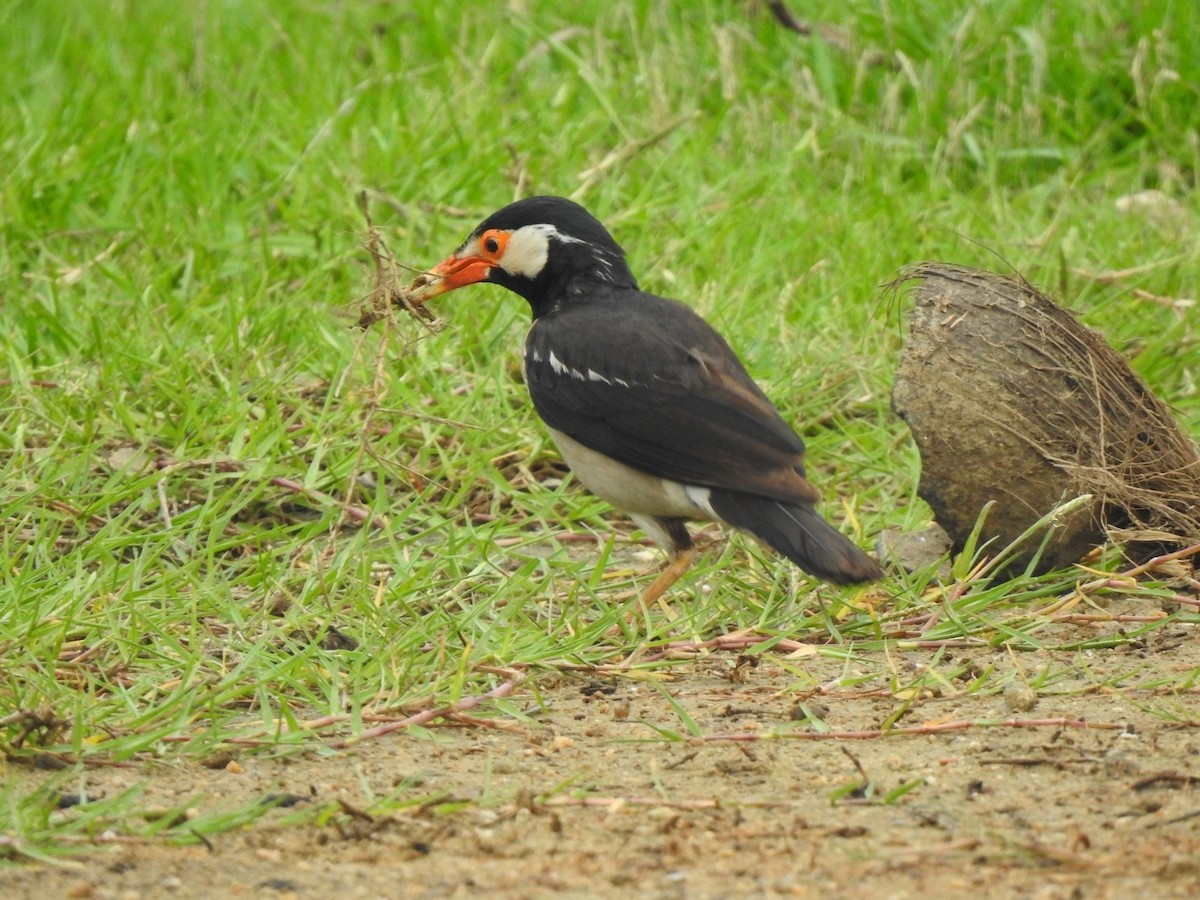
{"type": "Point", "coordinates": [799, 533]}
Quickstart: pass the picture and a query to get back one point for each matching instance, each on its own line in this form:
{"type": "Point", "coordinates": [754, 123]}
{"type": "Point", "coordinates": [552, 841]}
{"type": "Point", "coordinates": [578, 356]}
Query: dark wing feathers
{"type": "Point", "coordinates": [646, 381]}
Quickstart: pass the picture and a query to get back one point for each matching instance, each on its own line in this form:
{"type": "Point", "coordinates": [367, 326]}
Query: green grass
{"type": "Point", "coordinates": [187, 412]}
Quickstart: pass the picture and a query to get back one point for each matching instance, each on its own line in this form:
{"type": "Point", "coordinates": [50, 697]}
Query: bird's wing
{"type": "Point", "coordinates": [652, 385]}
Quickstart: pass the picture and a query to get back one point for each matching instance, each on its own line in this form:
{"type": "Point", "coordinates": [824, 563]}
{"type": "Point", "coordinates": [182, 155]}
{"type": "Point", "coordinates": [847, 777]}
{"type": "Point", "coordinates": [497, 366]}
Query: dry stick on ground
{"type": "Point", "coordinates": [735, 642]}
{"type": "Point", "coordinates": [614, 804]}
{"type": "Point", "coordinates": [9, 382]}
{"type": "Point", "coordinates": [567, 537]}
{"type": "Point", "coordinates": [960, 846]}
{"type": "Point", "coordinates": [94, 520]}
{"type": "Point", "coordinates": [167, 465]}
{"type": "Point", "coordinates": [738, 640]}
{"type": "Point", "coordinates": [459, 718]}
{"type": "Point", "coordinates": [250, 741]}
{"type": "Point", "coordinates": [429, 715]}
{"type": "Point", "coordinates": [910, 730]}
{"type": "Point", "coordinates": [1032, 761]}
{"type": "Point", "coordinates": [1123, 580]}
{"type": "Point", "coordinates": [1173, 779]}
{"type": "Point", "coordinates": [1176, 820]}
{"type": "Point", "coordinates": [455, 712]}
{"type": "Point", "coordinates": [514, 677]}
{"type": "Point", "coordinates": [348, 509]}
{"type": "Point", "coordinates": [1091, 619]}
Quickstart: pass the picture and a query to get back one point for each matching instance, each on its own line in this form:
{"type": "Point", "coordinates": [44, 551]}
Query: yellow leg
{"type": "Point", "coordinates": [680, 563]}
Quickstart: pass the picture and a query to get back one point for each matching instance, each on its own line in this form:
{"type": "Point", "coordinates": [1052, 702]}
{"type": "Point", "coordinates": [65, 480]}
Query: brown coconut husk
{"type": "Point", "coordinates": [1011, 400]}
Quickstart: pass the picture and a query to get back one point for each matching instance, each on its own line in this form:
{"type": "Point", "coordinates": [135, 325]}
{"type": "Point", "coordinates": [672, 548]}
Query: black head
{"type": "Point", "coordinates": [547, 249]}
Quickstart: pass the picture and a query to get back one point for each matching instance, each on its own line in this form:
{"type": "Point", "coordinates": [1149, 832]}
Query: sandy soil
{"type": "Point", "coordinates": [1044, 809]}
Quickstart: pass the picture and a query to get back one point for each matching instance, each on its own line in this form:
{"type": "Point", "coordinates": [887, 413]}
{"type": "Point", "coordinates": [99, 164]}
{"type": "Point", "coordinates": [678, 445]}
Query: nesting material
{"type": "Point", "coordinates": [1011, 400]}
{"type": "Point", "coordinates": [387, 291]}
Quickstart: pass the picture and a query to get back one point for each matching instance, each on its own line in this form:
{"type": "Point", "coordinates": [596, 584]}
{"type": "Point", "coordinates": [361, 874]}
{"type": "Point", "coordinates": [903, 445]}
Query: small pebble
{"type": "Point", "coordinates": [1020, 697]}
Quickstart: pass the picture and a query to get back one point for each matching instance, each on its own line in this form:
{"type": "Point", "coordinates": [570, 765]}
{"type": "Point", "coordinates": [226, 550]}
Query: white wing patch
{"type": "Point", "coordinates": [561, 368]}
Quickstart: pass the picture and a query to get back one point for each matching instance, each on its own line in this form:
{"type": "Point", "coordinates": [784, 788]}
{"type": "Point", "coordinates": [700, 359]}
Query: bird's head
{"type": "Point", "coordinates": [540, 248]}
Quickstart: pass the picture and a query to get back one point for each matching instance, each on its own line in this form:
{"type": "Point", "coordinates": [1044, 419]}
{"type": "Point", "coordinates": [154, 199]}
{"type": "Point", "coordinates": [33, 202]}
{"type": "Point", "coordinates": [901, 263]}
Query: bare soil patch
{"type": "Point", "coordinates": [1092, 792]}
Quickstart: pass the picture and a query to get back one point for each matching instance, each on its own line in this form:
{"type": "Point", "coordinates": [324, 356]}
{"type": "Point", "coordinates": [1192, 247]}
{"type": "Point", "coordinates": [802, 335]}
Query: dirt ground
{"type": "Point", "coordinates": [1042, 809]}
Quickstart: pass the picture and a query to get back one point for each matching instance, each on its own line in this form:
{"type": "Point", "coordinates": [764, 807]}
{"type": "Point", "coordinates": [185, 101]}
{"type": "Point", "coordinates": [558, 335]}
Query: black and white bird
{"type": "Point", "coordinates": [648, 405]}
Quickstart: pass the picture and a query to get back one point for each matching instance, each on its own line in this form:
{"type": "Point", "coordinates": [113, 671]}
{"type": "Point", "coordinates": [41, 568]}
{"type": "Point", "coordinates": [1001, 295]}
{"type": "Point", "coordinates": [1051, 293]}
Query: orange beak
{"type": "Point", "coordinates": [451, 274]}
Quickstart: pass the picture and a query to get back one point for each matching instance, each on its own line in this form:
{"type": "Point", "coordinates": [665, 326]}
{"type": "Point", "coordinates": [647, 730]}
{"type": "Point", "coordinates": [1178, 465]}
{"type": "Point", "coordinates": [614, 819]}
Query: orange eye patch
{"type": "Point", "coordinates": [493, 242]}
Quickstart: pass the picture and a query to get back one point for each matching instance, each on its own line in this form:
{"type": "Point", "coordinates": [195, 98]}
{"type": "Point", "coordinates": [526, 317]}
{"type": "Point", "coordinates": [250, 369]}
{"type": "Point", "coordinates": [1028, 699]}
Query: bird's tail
{"type": "Point", "coordinates": [798, 532]}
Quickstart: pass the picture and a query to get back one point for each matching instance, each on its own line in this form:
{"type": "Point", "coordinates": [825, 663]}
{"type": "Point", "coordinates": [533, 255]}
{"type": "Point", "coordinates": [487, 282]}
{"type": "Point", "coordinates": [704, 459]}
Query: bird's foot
{"type": "Point", "coordinates": [679, 564]}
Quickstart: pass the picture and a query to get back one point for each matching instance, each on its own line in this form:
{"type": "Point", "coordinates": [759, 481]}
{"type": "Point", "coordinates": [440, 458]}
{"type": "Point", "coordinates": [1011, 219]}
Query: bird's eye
{"type": "Point", "coordinates": [493, 242]}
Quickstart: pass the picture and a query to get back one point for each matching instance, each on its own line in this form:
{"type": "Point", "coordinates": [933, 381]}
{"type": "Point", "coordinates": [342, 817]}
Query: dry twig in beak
{"type": "Point", "coordinates": [387, 291]}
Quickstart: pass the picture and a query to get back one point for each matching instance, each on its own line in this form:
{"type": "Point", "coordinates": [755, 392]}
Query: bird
{"type": "Point", "coordinates": [648, 405]}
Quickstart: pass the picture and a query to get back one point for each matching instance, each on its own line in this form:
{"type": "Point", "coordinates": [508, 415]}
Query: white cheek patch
{"type": "Point", "coordinates": [527, 250]}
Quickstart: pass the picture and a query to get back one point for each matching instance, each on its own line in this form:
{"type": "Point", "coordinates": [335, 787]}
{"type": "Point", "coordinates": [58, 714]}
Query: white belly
{"type": "Point", "coordinates": [631, 490]}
